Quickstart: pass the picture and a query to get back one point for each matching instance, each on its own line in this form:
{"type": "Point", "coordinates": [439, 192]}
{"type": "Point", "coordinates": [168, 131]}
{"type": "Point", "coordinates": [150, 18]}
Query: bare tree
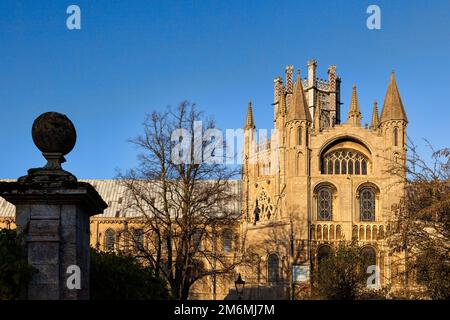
{"type": "Point", "coordinates": [189, 206]}
{"type": "Point", "coordinates": [420, 224]}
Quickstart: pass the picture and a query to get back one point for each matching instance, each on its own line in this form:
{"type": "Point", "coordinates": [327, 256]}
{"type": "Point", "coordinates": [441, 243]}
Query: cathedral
{"type": "Point", "coordinates": [317, 180]}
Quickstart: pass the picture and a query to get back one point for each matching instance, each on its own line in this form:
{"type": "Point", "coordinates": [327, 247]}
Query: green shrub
{"type": "Point", "coordinates": [15, 273]}
{"type": "Point", "coordinates": [121, 277]}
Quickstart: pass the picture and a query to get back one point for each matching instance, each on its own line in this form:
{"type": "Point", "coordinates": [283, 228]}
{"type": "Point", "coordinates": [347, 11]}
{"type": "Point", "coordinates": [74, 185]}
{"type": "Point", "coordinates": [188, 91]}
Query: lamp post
{"type": "Point", "coordinates": [239, 283]}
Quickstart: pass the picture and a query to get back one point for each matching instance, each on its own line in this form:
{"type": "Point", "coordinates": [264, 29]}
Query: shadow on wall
{"type": "Point", "coordinates": [261, 292]}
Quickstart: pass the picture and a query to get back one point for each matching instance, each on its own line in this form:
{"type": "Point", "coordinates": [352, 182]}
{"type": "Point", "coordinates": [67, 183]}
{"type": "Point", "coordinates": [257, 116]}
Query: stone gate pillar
{"type": "Point", "coordinates": [52, 214]}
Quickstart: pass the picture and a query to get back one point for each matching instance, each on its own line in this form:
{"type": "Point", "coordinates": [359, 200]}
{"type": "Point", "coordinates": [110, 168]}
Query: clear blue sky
{"type": "Point", "coordinates": [132, 57]}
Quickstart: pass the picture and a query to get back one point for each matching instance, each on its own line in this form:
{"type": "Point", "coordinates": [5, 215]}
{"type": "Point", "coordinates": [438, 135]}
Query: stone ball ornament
{"type": "Point", "coordinates": [55, 136]}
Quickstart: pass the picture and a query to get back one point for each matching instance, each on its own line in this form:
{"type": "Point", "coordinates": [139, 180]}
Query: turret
{"type": "Point", "coordinates": [289, 86]}
{"type": "Point", "coordinates": [249, 139]}
{"type": "Point", "coordinates": [375, 120]}
{"type": "Point", "coordinates": [393, 122]}
{"type": "Point", "coordinates": [249, 122]}
{"type": "Point", "coordinates": [299, 110]}
{"type": "Point", "coordinates": [298, 129]}
{"type": "Point", "coordinates": [277, 87]}
{"type": "Point", "coordinates": [393, 105]}
{"type": "Point", "coordinates": [354, 115]}
{"type": "Point", "coordinates": [333, 103]}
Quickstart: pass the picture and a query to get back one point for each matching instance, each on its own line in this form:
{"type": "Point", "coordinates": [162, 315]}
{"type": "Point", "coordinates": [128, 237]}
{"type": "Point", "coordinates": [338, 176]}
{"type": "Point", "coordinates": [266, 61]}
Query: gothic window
{"type": "Point", "coordinates": [138, 238]}
{"type": "Point", "coordinates": [273, 268]}
{"type": "Point", "coordinates": [324, 203]}
{"type": "Point", "coordinates": [227, 238]}
{"type": "Point", "coordinates": [367, 204]}
{"type": "Point", "coordinates": [395, 136]}
{"type": "Point", "coordinates": [345, 161]}
{"type": "Point", "coordinates": [299, 136]}
{"type": "Point", "coordinates": [110, 239]}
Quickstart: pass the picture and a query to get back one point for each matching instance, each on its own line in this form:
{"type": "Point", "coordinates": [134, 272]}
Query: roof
{"type": "Point", "coordinates": [393, 106]}
{"type": "Point", "coordinates": [299, 110]}
{"type": "Point", "coordinates": [114, 194]}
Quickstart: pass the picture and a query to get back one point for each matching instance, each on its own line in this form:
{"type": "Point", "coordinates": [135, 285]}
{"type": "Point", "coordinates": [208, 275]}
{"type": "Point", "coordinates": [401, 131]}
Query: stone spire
{"type": "Point", "coordinates": [317, 113]}
{"type": "Point", "coordinates": [375, 120]}
{"type": "Point", "coordinates": [299, 110]}
{"type": "Point", "coordinates": [354, 115]}
{"type": "Point", "coordinates": [249, 123]}
{"type": "Point", "coordinates": [392, 105]}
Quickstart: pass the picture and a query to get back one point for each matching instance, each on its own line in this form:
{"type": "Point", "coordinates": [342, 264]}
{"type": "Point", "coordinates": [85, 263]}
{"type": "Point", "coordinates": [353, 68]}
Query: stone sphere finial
{"type": "Point", "coordinates": [55, 135]}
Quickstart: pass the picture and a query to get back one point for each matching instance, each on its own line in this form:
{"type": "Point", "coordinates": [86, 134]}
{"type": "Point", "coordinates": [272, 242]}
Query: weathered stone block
{"type": "Point", "coordinates": [44, 227]}
{"type": "Point", "coordinates": [68, 215]}
{"type": "Point", "coordinates": [46, 274]}
{"type": "Point", "coordinates": [22, 216]}
{"type": "Point", "coordinates": [45, 211]}
{"type": "Point", "coordinates": [43, 253]}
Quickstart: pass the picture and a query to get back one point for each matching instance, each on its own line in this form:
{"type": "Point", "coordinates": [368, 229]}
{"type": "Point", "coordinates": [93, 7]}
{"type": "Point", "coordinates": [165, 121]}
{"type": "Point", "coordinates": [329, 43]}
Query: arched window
{"type": "Point", "coordinates": [138, 238]}
{"type": "Point", "coordinates": [227, 238]}
{"type": "Point", "coordinates": [369, 257]}
{"type": "Point", "coordinates": [395, 136]}
{"type": "Point", "coordinates": [273, 268]}
{"type": "Point", "coordinates": [324, 203]}
{"type": "Point", "coordinates": [345, 161]}
{"type": "Point", "coordinates": [299, 136]}
{"type": "Point", "coordinates": [110, 239]}
{"type": "Point", "coordinates": [367, 204]}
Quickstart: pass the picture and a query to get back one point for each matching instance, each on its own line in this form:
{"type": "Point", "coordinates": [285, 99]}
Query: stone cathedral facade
{"type": "Point", "coordinates": [319, 179]}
